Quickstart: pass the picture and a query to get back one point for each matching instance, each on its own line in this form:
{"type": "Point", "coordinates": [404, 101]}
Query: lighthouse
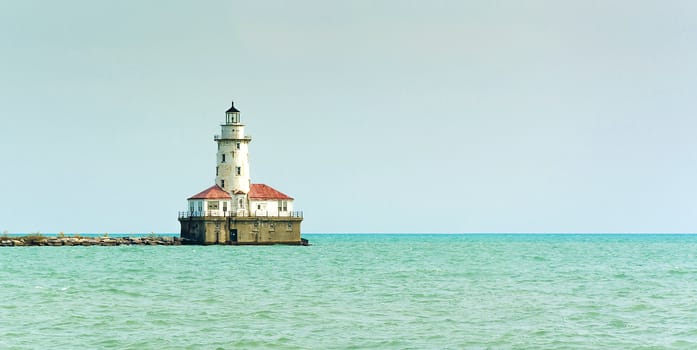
{"type": "Point", "coordinates": [234, 210]}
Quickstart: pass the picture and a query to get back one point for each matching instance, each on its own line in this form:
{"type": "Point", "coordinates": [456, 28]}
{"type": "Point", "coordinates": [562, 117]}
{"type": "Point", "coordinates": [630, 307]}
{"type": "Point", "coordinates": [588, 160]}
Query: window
{"type": "Point", "coordinates": [282, 206]}
{"type": "Point", "coordinates": [191, 207]}
{"type": "Point", "coordinates": [225, 206]}
{"type": "Point", "coordinates": [289, 227]}
{"type": "Point", "coordinates": [238, 170]}
{"type": "Point", "coordinates": [200, 206]}
{"type": "Point", "coordinates": [240, 203]}
{"type": "Point", "coordinates": [259, 206]}
{"type": "Point", "coordinates": [213, 205]}
{"type": "Point", "coordinates": [238, 145]}
{"type": "Point", "coordinates": [222, 183]}
{"type": "Point", "coordinates": [223, 159]}
{"type": "Point", "coordinates": [216, 171]}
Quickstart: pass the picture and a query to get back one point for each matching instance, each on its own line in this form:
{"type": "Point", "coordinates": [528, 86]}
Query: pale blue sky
{"type": "Point", "coordinates": [377, 116]}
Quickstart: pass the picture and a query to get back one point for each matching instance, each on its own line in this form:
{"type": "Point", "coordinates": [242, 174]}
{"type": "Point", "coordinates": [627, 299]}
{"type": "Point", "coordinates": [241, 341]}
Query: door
{"type": "Point", "coordinates": [233, 235]}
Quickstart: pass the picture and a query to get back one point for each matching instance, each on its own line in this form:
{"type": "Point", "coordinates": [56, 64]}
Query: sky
{"type": "Point", "coordinates": [376, 116]}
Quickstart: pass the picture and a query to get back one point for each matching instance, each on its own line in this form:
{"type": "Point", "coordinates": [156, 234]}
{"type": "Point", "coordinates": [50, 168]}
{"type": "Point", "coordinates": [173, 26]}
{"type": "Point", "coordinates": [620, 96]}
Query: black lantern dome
{"type": "Point", "coordinates": [232, 115]}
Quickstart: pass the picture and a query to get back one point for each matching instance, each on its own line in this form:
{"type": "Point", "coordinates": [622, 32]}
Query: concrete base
{"type": "Point", "coordinates": [241, 230]}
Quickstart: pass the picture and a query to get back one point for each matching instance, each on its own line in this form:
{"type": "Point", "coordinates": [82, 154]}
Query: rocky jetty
{"type": "Point", "coordinates": [36, 240]}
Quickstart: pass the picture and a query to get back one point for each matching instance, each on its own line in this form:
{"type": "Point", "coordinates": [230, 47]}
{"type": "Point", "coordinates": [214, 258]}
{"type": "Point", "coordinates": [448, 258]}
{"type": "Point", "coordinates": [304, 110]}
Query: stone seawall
{"type": "Point", "coordinates": [86, 241]}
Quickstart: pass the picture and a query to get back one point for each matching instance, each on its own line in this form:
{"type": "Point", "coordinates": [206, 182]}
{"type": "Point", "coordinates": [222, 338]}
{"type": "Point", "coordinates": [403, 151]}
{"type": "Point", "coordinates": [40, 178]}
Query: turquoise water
{"type": "Point", "coordinates": [357, 292]}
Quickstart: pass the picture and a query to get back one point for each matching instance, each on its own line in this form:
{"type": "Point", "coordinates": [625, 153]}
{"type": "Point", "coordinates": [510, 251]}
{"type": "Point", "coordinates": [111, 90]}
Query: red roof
{"type": "Point", "coordinates": [261, 191]}
{"type": "Point", "coordinates": [213, 192]}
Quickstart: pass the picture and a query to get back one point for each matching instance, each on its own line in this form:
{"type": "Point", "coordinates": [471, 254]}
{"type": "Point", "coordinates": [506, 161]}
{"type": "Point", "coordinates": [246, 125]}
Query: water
{"type": "Point", "coordinates": [357, 292]}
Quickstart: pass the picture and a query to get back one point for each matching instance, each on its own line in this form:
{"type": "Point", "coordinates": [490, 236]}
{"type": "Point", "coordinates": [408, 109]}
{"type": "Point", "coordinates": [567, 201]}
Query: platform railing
{"type": "Point", "coordinates": [220, 137]}
{"type": "Point", "coordinates": [218, 213]}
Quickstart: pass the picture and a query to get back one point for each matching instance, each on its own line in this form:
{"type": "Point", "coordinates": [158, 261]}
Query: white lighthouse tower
{"type": "Point", "coordinates": [232, 166]}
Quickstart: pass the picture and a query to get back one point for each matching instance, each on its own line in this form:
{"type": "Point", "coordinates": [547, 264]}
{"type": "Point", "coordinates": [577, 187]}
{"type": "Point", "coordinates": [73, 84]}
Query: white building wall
{"type": "Point", "coordinates": [240, 205]}
{"type": "Point", "coordinates": [195, 207]}
{"type": "Point", "coordinates": [201, 207]}
{"type": "Point", "coordinates": [269, 207]}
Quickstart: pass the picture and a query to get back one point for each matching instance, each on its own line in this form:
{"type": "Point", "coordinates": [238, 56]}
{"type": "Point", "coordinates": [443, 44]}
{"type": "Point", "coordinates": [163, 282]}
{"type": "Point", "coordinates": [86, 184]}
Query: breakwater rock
{"type": "Point", "coordinates": [86, 241]}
